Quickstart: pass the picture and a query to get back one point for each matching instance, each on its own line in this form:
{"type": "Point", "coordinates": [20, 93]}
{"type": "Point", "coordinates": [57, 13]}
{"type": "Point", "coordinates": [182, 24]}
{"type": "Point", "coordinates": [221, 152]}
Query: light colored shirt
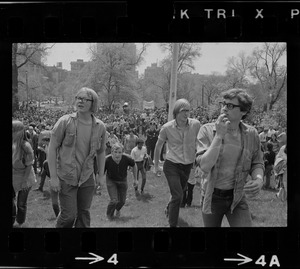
{"type": "Point", "coordinates": [181, 143]}
{"type": "Point", "coordinates": [231, 152]}
{"type": "Point", "coordinates": [263, 137]}
{"type": "Point", "coordinates": [130, 142]}
{"type": "Point", "coordinates": [18, 169]}
{"type": "Point", "coordinates": [112, 140]}
{"type": "Point", "coordinates": [65, 134]}
{"type": "Point", "coordinates": [138, 154]}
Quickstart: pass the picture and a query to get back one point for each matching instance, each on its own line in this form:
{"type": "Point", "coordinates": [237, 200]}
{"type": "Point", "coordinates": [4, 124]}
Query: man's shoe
{"type": "Point", "coordinates": [109, 218]}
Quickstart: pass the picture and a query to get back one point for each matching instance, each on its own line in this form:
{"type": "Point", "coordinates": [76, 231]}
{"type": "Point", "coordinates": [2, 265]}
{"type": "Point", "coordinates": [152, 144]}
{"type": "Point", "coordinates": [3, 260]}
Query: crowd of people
{"type": "Point", "coordinates": [82, 148]}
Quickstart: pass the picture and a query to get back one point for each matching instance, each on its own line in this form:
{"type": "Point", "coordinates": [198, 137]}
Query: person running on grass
{"type": "Point", "coordinates": [116, 168]}
{"type": "Point", "coordinates": [139, 155]}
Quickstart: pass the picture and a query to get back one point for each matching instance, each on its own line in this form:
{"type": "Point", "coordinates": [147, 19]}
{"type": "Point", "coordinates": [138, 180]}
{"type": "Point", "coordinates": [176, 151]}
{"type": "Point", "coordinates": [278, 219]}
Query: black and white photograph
{"type": "Point", "coordinates": [130, 135]}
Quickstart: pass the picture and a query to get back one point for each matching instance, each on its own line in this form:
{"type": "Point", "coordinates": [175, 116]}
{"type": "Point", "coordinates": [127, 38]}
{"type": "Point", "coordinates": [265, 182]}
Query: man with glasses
{"type": "Point", "coordinates": [231, 160]}
{"type": "Point", "coordinates": [76, 139]}
{"type": "Point", "coordinates": [180, 134]}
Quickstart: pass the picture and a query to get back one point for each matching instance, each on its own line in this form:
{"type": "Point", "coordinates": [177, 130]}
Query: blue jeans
{"type": "Point", "coordinates": [19, 211]}
{"type": "Point", "coordinates": [177, 176]}
{"type": "Point", "coordinates": [220, 206]}
{"type": "Point", "coordinates": [117, 191]}
{"type": "Point", "coordinates": [75, 203]}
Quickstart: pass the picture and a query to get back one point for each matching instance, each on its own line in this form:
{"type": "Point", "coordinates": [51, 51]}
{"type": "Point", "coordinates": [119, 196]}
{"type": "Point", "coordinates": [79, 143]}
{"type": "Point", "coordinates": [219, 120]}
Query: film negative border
{"type": "Point", "coordinates": [156, 247]}
{"type": "Point", "coordinates": [153, 248]}
{"type": "Point", "coordinates": [195, 21]}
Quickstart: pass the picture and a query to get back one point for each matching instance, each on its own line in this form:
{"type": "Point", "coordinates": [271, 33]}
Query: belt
{"type": "Point", "coordinates": [223, 193]}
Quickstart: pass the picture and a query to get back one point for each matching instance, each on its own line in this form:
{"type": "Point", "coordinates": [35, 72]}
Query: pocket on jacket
{"type": "Point", "coordinates": [69, 139]}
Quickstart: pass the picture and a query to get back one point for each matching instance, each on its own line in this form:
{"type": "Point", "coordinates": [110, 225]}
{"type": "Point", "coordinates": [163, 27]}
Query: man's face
{"type": "Point", "coordinates": [83, 102]}
{"type": "Point", "coordinates": [183, 115]}
{"type": "Point", "coordinates": [30, 129]}
{"type": "Point", "coordinates": [116, 154]}
{"type": "Point", "coordinates": [140, 145]}
{"type": "Point", "coordinates": [232, 110]}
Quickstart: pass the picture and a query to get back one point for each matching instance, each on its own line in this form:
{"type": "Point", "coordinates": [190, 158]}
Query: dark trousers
{"type": "Point", "coordinates": [117, 191]}
{"type": "Point", "coordinates": [19, 210]}
{"type": "Point", "coordinates": [150, 150]}
{"type": "Point", "coordinates": [177, 176]}
{"type": "Point", "coordinates": [75, 203]}
{"type": "Point", "coordinates": [188, 195]}
{"type": "Point", "coordinates": [220, 206]}
{"type": "Point", "coordinates": [41, 158]}
{"type": "Point", "coordinates": [268, 174]}
{"type": "Point", "coordinates": [140, 168]}
{"type": "Point", "coordinates": [45, 172]}
{"type": "Point", "coordinates": [54, 194]}
{"type": "Point", "coordinates": [35, 161]}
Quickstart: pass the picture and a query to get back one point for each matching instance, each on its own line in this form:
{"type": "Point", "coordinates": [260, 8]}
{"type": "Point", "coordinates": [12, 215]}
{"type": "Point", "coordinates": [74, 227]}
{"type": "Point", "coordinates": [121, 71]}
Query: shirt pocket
{"type": "Point", "coordinates": [69, 139]}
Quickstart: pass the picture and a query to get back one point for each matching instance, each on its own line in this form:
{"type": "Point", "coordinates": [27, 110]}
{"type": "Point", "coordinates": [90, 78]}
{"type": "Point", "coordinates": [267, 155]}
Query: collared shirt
{"type": "Point", "coordinates": [118, 171]}
{"type": "Point", "coordinates": [65, 134]}
{"type": "Point", "coordinates": [251, 157]}
{"type": "Point", "coordinates": [138, 154]}
{"type": "Point", "coordinates": [182, 143]}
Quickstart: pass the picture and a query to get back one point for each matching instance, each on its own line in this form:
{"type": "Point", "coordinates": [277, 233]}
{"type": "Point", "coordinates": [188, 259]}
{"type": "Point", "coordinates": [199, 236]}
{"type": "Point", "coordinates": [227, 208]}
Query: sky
{"type": "Point", "coordinates": [214, 56]}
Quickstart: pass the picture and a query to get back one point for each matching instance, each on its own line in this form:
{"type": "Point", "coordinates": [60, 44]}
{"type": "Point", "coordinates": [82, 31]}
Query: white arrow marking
{"type": "Point", "coordinates": [94, 259]}
{"type": "Point", "coordinates": [242, 261]}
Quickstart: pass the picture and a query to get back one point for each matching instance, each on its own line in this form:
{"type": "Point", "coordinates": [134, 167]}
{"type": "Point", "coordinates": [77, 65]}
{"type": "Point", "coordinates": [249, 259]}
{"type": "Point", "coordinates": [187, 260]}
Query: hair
{"type": "Point", "coordinates": [179, 104]}
{"type": "Point", "coordinates": [18, 139]}
{"type": "Point", "coordinates": [245, 100]}
{"type": "Point", "coordinates": [116, 146]}
{"type": "Point", "coordinates": [93, 95]}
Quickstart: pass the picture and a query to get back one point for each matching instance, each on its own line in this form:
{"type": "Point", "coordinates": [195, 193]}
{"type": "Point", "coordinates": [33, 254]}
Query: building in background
{"type": "Point", "coordinates": [78, 65]}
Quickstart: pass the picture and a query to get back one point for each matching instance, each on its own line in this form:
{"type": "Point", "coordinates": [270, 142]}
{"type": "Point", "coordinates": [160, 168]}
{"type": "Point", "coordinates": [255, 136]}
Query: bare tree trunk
{"type": "Point", "coordinates": [173, 86]}
{"type": "Point", "coordinates": [15, 99]}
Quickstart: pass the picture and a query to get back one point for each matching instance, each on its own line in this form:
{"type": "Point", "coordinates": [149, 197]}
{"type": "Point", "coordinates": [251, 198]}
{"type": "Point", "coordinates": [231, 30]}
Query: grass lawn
{"type": "Point", "coordinates": [147, 210]}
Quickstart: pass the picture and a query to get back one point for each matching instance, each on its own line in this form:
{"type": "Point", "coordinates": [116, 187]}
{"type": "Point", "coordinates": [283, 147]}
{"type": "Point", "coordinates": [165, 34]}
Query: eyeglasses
{"type": "Point", "coordinates": [82, 99]}
{"type": "Point", "coordinates": [230, 106]}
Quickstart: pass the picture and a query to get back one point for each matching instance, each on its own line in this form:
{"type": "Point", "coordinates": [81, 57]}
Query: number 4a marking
{"type": "Point", "coordinates": [274, 261]}
{"type": "Point", "coordinates": [113, 259]}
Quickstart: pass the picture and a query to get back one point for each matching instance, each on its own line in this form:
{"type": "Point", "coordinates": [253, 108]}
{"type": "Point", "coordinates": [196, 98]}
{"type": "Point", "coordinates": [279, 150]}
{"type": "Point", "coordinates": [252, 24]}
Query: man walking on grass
{"type": "Point", "coordinates": [229, 153]}
{"type": "Point", "coordinates": [180, 134]}
{"type": "Point", "coordinates": [75, 141]}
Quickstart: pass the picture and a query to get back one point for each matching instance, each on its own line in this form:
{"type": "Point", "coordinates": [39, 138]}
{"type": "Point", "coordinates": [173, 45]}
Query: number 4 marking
{"type": "Point", "coordinates": [113, 259]}
{"type": "Point", "coordinates": [261, 260]}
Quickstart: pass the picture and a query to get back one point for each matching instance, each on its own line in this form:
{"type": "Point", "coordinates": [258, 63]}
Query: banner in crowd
{"type": "Point", "coordinates": [148, 105]}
